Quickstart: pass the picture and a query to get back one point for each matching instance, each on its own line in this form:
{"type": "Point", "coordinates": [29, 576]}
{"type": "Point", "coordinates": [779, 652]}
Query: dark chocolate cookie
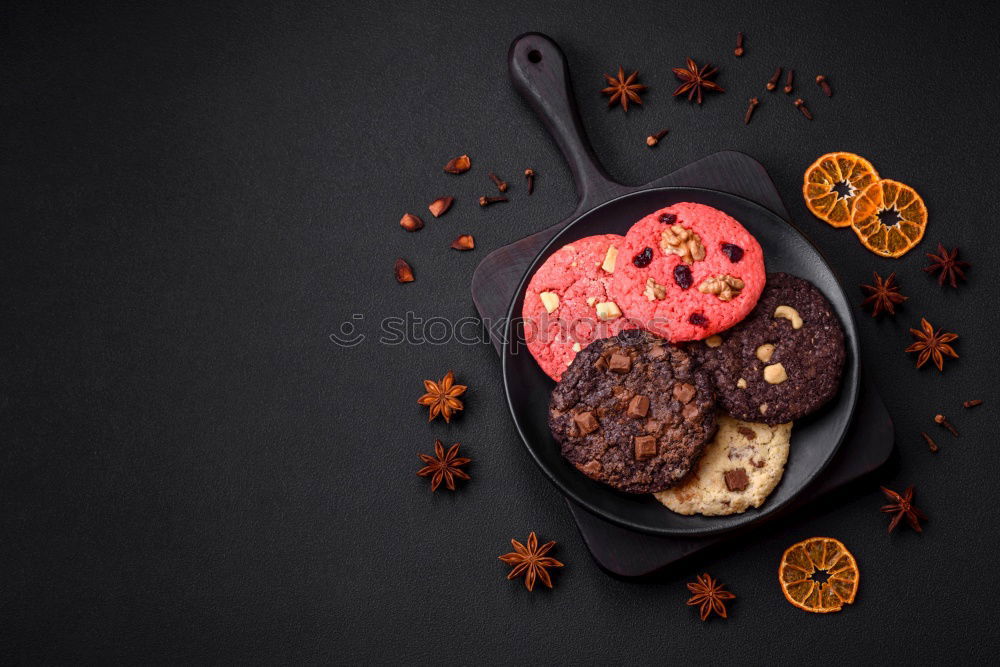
{"type": "Point", "coordinates": [784, 360]}
{"type": "Point", "coordinates": [633, 411]}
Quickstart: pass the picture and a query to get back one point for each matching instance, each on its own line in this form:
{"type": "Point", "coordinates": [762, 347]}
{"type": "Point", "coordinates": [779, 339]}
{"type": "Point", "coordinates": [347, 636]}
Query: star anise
{"type": "Point", "coordinates": [947, 265]}
{"type": "Point", "coordinates": [531, 561]}
{"type": "Point", "coordinates": [695, 80]}
{"type": "Point", "coordinates": [709, 595]}
{"type": "Point", "coordinates": [623, 89]}
{"type": "Point", "coordinates": [884, 295]}
{"type": "Point", "coordinates": [902, 506]}
{"type": "Point", "coordinates": [932, 344]}
{"type": "Point", "coordinates": [443, 466]}
{"type": "Point", "coordinates": [442, 397]}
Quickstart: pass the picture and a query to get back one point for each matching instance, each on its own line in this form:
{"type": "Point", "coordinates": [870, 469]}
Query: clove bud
{"type": "Point", "coordinates": [529, 174]}
{"type": "Point", "coordinates": [800, 104]}
{"type": "Point", "coordinates": [822, 83]}
{"type": "Point", "coordinates": [654, 139]}
{"type": "Point", "coordinates": [500, 183]}
{"type": "Point", "coordinates": [486, 201]}
{"type": "Point", "coordinates": [789, 79]}
{"type": "Point", "coordinates": [772, 83]}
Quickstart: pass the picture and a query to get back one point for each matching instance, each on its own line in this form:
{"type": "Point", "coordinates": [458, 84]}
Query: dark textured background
{"type": "Point", "coordinates": [194, 199]}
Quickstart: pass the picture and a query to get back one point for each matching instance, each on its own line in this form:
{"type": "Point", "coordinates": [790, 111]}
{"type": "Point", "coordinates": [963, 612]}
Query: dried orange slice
{"type": "Point", "coordinates": [889, 217]}
{"type": "Point", "coordinates": [832, 182]}
{"type": "Point", "coordinates": [806, 563]}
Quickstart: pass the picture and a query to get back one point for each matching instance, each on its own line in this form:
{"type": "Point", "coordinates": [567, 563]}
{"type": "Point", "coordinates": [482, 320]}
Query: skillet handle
{"type": "Point", "coordinates": [539, 72]}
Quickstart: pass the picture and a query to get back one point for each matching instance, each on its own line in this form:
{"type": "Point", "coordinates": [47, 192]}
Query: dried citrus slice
{"type": "Point", "coordinates": [819, 575]}
{"type": "Point", "coordinates": [832, 182]}
{"type": "Point", "coordinates": [889, 217]}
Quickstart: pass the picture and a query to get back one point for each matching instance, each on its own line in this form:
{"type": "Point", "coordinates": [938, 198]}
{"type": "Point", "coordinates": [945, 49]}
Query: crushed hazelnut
{"type": "Point", "coordinates": [576, 347]}
{"type": "Point", "coordinates": [654, 291]}
{"type": "Point", "coordinates": [765, 352]}
{"type": "Point", "coordinates": [789, 314]}
{"type": "Point", "coordinates": [741, 384]}
{"type": "Point", "coordinates": [763, 408]}
{"type": "Point", "coordinates": [775, 374]}
{"type": "Point", "coordinates": [677, 240]}
{"type": "Point", "coordinates": [714, 341]}
{"type": "Point", "coordinates": [725, 286]}
{"type": "Point", "coordinates": [550, 300]}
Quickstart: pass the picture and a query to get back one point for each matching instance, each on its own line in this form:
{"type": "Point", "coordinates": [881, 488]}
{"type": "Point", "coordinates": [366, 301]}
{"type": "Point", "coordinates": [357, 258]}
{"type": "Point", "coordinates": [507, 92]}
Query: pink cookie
{"type": "Point", "coordinates": [688, 271]}
{"type": "Point", "coordinates": [564, 299]}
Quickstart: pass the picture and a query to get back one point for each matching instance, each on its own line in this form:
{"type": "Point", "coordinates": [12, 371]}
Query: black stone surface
{"type": "Point", "coordinates": [195, 198]}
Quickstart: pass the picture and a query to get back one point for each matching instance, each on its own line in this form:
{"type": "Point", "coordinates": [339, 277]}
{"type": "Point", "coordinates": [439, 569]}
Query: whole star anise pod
{"type": "Point", "coordinates": [695, 80]}
{"type": "Point", "coordinates": [947, 265]}
{"type": "Point", "coordinates": [884, 295]}
{"type": "Point", "coordinates": [442, 397]}
{"type": "Point", "coordinates": [623, 89]}
{"type": "Point", "coordinates": [902, 506]}
{"type": "Point", "coordinates": [531, 561]}
{"type": "Point", "coordinates": [443, 466]}
{"type": "Point", "coordinates": [932, 344]}
{"type": "Point", "coordinates": [708, 596]}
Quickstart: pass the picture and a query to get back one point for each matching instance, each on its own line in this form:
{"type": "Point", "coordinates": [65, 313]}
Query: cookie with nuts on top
{"type": "Point", "coordinates": [688, 271]}
{"type": "Point", "coordinates": [784, 361]}
{"type": "Point", "coordinates": [741, 467]}
{"type": "Point", "coordinates": [633, 411]}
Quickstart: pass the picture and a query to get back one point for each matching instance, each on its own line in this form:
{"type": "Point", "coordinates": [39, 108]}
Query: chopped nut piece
{"type": "Point", "coordinates": [765, 352]}
{"type": "Point", "coordinates": [638, 406]}
{"type": "Point", "coordinates": [440, 206]}
{"type": "Point", "coordinates": [714, 341]}
{"type": "Point", "coordinates": [645, 446]}
{"type": "Point", "coordinates": [464, 242]}
{"type": "Point", "coordinates": [609, 259]}
{"type": "Point", "coordinates": [458, 165]}
{"type": "Point", "coordinates": [789, 314]}
{"type": "Point", "coordinates": [591, 300]}
{"type": "Point", "coordinates": [725, 286]}
{"type": "Point", "coordinates": [763, 408]}
{"type": "Point", "coordinates": [576, 347]}
{"type": "Point", "coordinates": [654, 291]}
{"type": "Point", "coordinates": [592, 467]}
{"type": "Point", "coordinates": [550, 300]}
{"type": "Point", "coordinates": [677, 240]}
{"type": "Point", "coordinates": [608, 310]}
{"type": "Point", "coordinates": [404, 274]}
{"type": "Point", "coordinates": [775, 374]}
{"type": "Point", "coordinates": [741, 384]}
{"type": "Point", "coordinates": [411, 223]}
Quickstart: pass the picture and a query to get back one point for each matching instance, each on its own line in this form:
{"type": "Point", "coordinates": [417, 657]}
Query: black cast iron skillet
{"type": "Point", "coordinates": [538, 71]}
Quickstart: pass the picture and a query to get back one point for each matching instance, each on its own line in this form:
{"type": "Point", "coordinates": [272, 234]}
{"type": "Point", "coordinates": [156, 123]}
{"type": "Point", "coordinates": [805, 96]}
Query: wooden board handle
{"type": "Point", "coordinates": [539, 72]}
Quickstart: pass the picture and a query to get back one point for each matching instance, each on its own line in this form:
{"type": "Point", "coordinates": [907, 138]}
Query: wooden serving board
{"type": "Point", "coordinates": [627, 553]}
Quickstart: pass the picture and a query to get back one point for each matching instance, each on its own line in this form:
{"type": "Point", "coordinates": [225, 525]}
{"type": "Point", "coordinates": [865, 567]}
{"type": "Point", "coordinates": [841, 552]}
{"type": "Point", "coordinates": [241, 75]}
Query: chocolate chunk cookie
{"type": "Point", "coordinates": [784, 360]}
{"type": "Point", "coordinates": [633, 411]}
